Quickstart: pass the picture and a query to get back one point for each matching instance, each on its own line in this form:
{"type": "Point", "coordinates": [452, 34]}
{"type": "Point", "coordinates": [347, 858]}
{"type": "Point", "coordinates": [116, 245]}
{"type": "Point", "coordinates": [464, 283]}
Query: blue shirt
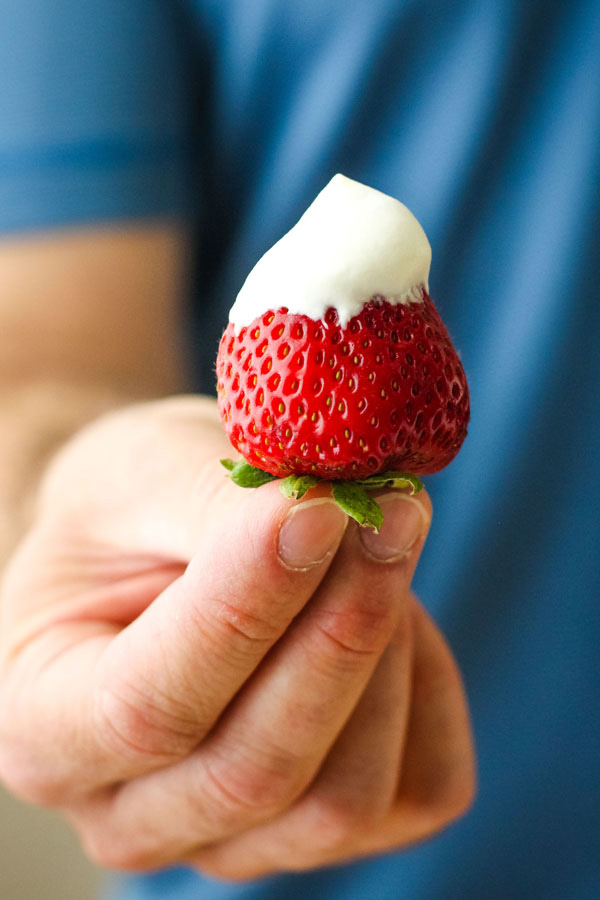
{"type": "Point", "coordinates": [483, 116]}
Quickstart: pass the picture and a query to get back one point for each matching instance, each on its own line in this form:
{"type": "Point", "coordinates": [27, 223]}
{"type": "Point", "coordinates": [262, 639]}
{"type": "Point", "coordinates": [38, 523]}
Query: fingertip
{"type": "Point", "coordinates": [425, 500]}
{"type": "Point", "coordinates": [405, 523]}
{"type": "Point", "coordinates": [310, 533]}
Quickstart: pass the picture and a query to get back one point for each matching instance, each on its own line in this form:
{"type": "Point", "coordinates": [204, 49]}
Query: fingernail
{"type": "Point", "coordinates": [310, 532]}
{"type": "Point", "coordinates": [404, 521]}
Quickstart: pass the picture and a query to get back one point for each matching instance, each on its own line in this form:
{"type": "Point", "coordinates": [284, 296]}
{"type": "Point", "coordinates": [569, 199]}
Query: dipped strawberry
{"type": "Point", "coordinates": [336, 364]}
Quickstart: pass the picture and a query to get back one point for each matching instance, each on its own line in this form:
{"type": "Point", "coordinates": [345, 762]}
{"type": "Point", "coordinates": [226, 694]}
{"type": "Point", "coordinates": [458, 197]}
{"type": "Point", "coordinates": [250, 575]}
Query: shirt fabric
{"type": "Point", "coordinates": [483, 117]}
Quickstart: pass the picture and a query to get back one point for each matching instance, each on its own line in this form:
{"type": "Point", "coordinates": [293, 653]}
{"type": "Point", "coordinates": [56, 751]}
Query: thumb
{"type": "Point", "coordinates": [145, 478]}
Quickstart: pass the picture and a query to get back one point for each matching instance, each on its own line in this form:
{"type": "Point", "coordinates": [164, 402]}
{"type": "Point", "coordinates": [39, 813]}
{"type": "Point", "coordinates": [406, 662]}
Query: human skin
{"type": "Point", "coordinates": [191, 672]}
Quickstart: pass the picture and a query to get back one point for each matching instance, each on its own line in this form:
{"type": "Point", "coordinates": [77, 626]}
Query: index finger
{"type": "Point", "coordinates": [167, 677]}
{"type": "Point", "coordinates": [144, 697]}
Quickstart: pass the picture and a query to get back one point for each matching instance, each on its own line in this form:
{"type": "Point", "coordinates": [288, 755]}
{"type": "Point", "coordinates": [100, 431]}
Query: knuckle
{"type": "Point", "coordinates": [245, 627]}
{"type": "Point", "coordinates": [249, 792]}
{"type": "Point", "coordinates": [235, 629]}
{"type": "Point", "coordinates": [341, 821]}
{"type": "Point", "coordinates": [136, 724]}
{"type": "Point", "coordinates": [361, 629]}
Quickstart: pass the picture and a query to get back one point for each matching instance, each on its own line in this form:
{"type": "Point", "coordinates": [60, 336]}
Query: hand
{"type": "Point", "coordinates": [195, 673]}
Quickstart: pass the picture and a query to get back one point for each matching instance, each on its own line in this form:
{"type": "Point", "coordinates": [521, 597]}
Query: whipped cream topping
{"type": "Point", "coordinates": [351, 244]}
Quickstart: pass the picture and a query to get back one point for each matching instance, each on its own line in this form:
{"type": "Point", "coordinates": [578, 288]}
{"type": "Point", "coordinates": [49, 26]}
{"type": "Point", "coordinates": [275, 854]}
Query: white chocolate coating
{"type": "Point", "coordinates": [351, 244]}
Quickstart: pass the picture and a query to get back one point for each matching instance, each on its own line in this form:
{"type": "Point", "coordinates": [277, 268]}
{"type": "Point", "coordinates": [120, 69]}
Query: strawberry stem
{"type": "Point", "coordinates": [351, 496]}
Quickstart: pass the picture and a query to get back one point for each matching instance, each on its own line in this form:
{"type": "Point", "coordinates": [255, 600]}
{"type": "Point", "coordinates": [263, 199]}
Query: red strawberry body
{"type": "Point", "coordinates": [386, 392]}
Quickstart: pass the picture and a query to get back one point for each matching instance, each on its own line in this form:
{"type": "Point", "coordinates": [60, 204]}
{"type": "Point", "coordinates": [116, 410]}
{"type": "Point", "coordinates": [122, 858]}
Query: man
{"type": "Point", "coordinates": [196, 676]}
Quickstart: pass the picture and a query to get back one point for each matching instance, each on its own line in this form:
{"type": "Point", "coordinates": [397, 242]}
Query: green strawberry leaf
{"type": "Point", "coordinates": [392, 479]}
{"type": "Point", "coordinates": [295, 486]}
{"type": "Point", "coordinates": [351, 496]}
{"type": "Point", "coordinates": [245, 475]}
{"type": "Point", "coordinates": [355, 502]}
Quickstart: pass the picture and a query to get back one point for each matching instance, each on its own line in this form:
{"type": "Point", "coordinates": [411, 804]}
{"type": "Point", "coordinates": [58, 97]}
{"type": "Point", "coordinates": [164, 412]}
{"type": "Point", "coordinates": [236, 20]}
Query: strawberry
{"type": "Point", "coordinates": [307, 398]}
